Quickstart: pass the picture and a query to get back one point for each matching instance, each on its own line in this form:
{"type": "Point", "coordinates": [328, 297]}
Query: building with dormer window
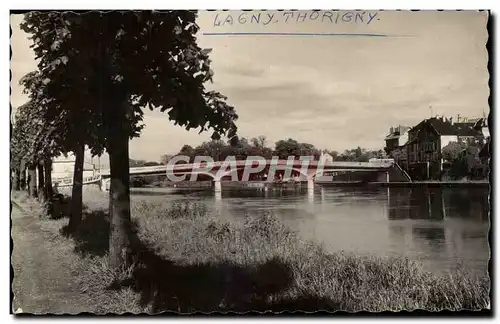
{"type": "Point", "coordinates": [427, 139]}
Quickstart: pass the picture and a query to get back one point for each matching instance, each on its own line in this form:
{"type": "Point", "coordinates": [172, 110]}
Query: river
{"type": "Point", "coordinates": [443, 228]}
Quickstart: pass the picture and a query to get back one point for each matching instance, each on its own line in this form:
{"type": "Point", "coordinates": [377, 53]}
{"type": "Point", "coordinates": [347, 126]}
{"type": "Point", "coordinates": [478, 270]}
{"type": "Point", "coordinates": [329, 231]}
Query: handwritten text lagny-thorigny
{"type": "Point", "coordinates": [265, 18]}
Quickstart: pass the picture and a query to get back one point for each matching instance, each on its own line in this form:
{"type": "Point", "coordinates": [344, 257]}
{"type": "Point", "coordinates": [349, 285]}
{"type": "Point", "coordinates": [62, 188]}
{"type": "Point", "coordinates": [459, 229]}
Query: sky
{"type": "Point", "coordinates": [374, 70]}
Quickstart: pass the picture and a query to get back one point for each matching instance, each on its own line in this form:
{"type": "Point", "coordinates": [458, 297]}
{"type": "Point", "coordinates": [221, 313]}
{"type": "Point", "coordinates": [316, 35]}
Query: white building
{"type": "Point", "coordinates": [325, 157]}
{"type": "Point", "coordinates": [64, 166]}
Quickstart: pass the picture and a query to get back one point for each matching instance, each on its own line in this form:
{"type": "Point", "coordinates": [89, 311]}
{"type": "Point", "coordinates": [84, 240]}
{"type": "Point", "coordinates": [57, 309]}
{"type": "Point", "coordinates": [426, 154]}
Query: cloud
{"type": "Point", "coordinates": [243, 71]}
{"type": "Point", "coordinates": [333, 92]}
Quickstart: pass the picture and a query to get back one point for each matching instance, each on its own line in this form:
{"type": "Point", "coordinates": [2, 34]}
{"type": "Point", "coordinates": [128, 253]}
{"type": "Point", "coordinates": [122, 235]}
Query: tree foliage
{"type": "Point", "coordinates": [102, 69]}
{"type": "Point", "coordinates": [165, 158]}
{"type": "Point", "coordinates": [290, 147]}
{"type": "Point", "coordinates": [453, 150]}
{"type": "Point", "coordinates": [147, 58]}
{"type": "Point", "coordinates": [33, 135]}
{"type": "Point", "coordinates": [142, 163]}
{"type": "Point", "coordinates": [462, 158]}
{"type": "Point", "coordinates": [398, 154]}
{"type": "Point", "coordinates": [257, 146]}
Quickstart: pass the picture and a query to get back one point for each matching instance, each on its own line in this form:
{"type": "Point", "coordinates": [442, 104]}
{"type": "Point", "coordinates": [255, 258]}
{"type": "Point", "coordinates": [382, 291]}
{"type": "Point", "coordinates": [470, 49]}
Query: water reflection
{"type": "Point", "coordinates": [443, 228]}
{"type": "Point", "coordinates": [434, 234]}
{"type": "Point", "coordinates": [438, 203]}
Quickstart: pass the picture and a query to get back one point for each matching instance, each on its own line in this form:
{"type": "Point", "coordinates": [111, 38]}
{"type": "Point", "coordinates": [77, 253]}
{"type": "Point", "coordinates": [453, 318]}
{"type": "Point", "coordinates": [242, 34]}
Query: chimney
{"type": "Point", "coordinates": [451, 120]}
{"type": "Point", "coordinates": [391, 130]}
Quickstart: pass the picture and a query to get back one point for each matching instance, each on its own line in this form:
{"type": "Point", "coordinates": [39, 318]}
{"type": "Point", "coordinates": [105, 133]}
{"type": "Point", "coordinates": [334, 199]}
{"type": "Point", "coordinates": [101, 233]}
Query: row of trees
{"type": "Point", "coordinates": [358, 155]}
{"type": "Point", "coordinates": [142, 163]}
{"type": "Point", "coordinates": [96, 73]}
{"type": "Point", "coordinates": [242, 148]}
{"type": "Point", "coordinates": [258, 146]}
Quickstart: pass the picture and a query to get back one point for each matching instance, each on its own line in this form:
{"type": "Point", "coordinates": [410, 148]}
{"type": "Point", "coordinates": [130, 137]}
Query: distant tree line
{"type": "Point", "coordinates": [142, 163]}
{"type": "Point", "coordinates": [258, 146]}
{"type": "Point", "coordinates": [358, 155]}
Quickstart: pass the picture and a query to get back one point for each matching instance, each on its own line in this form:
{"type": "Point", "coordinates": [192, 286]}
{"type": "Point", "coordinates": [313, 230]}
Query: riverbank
{"type": "Point", "coordinates": [434, 184]}
{"type": "Point", "coordinates": [188, 259]}
{"type": "Point", "coordinates": [297, 185]}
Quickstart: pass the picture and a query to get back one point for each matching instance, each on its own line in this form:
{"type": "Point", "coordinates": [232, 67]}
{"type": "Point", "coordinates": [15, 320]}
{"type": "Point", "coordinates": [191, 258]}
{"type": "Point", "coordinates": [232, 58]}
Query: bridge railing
{"type": "Point", "coordinates": [68, 181]}
{"type": "Point", "coordinates": [240, 163]}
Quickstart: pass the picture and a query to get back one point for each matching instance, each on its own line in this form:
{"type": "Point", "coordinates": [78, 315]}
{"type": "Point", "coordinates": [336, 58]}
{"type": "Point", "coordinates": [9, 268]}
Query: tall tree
{"type": "Point", "coordinates": [32, 145]}
{"type": "Point", "coordinates": [259, 141]}
{"type": "Point", "coordinates": [187, 150]}
{"type": "Point", "coordinates": [26, 139]}
{"type": "Point", "coordinates": [285, 148]}
{"type": "Point", "coordinates": [165, 158]}
{"type": "Point", "coordinates": [115, 64]}
{"type": "Point", "coordinates": [290, 147]}
{"type": "Point", "coordinates": [215, 149]}
{"type": "Point", "coordinates": [259, 148]}
{"type": "Point", "coordinates": [17, 164]}
{"type": "Point", "coordinates": [62, 115]}
{"type": "Point", "coordinates": [56, 130]}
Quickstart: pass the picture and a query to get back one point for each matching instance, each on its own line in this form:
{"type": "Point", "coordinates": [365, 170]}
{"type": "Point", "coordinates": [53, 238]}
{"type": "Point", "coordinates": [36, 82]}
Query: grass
{"type": "Point", "coordinates": [187, 259]}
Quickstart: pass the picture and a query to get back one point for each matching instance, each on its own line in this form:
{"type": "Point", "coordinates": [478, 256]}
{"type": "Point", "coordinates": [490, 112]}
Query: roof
{"type": "Point", "coordinates": [445, 127]}
{"type": "Point", "coordinates": [467, 129]}
{"type": "Point", "coordinates": [397, 132]}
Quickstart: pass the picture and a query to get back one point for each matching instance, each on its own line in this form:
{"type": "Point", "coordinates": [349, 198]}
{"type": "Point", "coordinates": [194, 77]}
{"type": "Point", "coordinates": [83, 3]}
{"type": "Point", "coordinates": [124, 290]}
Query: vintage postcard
{"type": "Point", "coordinates": [239, 161]}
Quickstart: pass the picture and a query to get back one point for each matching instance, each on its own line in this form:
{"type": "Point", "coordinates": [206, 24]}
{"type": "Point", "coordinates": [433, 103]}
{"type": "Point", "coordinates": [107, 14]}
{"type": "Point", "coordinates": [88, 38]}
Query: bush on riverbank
{"type": "Point", "coordinates": [187, 259]}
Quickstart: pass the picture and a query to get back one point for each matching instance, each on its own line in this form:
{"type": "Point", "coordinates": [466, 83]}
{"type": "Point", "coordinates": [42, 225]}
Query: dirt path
{"type": "Point", "coordinates": [42, 279]}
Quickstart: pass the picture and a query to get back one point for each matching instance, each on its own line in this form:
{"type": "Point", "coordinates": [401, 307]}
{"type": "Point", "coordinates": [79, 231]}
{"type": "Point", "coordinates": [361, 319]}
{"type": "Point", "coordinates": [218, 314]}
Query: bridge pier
{"type": "Point", "coordinates": [216, 184]}
{"type": "Point", "coordinates": [310, 189]}
{"type": "Point", "coordinates": [105, 184]}
{"type": "Point", "coordinates": [383, 176]}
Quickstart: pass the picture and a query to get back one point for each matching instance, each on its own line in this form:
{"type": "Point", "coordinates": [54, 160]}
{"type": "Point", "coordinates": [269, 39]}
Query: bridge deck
{"type": "Point", "coordinates": [193, 167]}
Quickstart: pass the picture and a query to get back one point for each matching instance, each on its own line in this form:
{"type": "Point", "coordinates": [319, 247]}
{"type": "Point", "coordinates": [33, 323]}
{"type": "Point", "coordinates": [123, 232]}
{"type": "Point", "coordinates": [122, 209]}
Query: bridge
{"type": "Point", "coordinates": [212, 170]}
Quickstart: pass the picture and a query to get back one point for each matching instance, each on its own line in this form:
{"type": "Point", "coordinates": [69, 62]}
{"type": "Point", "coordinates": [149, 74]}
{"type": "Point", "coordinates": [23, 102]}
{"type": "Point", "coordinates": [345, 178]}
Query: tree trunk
{"type": "Point", "coordinates": [48, 187]}
{"type": "Point", "coordinates": [16, 180]}
{"type": "Point", "coordinates": [32, 180]}
{"type": "Point", "coordinates": [41, 182]}
{"type": "Point", "coordinates": [48, 178]}
{"type": "Point", "coordinates": [76, 193]}
{"type": "Point", "coordinates": [22, 175]}
{"type": "Point", "coordinates": [119, 194]}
